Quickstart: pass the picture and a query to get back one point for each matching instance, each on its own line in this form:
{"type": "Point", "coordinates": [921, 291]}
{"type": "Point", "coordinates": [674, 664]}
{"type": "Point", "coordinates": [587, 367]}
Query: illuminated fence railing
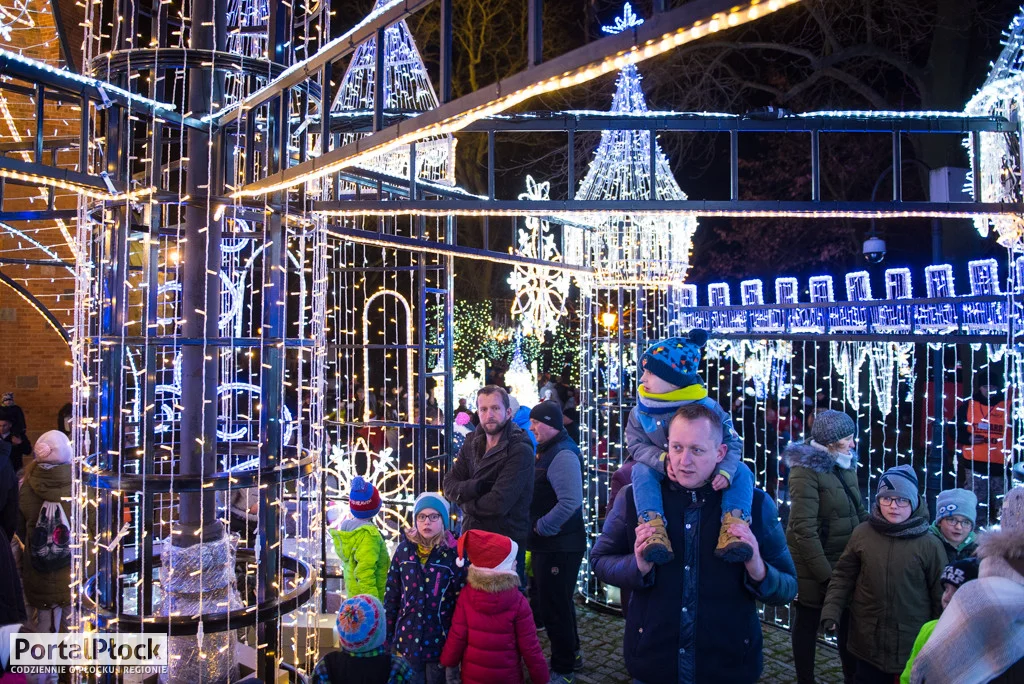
{"type": "Point", "coordinates": [986, 312]}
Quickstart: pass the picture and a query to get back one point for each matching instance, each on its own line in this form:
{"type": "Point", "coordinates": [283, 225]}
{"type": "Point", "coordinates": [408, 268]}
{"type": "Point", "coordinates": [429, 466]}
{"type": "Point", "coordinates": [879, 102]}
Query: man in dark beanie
{"type": "Point", "coordinates": [557, 538]}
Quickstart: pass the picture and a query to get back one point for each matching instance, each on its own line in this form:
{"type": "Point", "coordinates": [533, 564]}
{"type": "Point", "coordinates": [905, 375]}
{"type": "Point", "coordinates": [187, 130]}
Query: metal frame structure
{"type": "Point", "coordinates": [292, 166]}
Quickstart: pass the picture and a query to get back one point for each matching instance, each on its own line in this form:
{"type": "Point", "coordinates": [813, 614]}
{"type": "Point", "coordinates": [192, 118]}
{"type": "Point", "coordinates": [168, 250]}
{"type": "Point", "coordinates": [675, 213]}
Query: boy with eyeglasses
{"type": "Point", "coordinates": [889, 577]}
{"type": "Point", "coordinates": [423, 584]}
{"type": "Point", "coordinates": [956, 512]}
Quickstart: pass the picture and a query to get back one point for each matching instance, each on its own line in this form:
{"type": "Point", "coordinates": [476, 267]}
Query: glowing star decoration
{"type": "Point", "coordinates": [383, 471]}
{"type": "Point", "coordinates": [540, 292]}
{"type": "Point", "coordinates": [996, 164]}
{"type": "Point", "coordinates": [631, 249]}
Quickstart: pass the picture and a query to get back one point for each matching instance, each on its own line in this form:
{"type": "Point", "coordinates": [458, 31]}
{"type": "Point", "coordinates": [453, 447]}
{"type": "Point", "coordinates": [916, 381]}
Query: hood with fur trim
{"type": "Point", "coordinates": [490, 581]}
{"type": "Point", "coordinates": [1000, 543]}
{"type": "Point", "coordinates": [807, 455]}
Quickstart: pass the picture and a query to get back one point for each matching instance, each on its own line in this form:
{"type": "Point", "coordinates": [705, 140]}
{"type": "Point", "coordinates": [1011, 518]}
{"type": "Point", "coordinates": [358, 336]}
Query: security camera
{"type": "Point", "coordinates": [874, 249]}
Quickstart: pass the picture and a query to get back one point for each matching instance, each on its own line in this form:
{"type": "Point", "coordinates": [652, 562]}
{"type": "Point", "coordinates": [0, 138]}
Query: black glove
{"type": "Point", "coordinates": [829, 626]}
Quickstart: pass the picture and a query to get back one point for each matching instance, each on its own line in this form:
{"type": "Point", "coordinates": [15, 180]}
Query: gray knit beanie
{"type": "Point", "coordinates": [899, 481]}
{"type": "Point", "coordinates": [956, 502]}
{"type": "Point", "coordinates": [831, 426]}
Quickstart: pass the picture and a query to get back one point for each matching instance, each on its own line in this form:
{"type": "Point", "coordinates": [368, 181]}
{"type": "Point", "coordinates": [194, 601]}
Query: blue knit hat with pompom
{"type": "Point", "coordinates": [676, 359]}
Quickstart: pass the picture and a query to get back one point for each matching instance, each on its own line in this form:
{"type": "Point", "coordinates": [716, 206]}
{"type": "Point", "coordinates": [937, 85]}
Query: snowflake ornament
{"type": "Point", "coordinates": [539, 302]}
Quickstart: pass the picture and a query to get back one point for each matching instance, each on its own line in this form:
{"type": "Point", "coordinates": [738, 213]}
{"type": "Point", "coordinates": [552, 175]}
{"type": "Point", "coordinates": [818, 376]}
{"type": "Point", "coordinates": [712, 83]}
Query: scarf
{"type": "Point", "coordinates": [843, 459]}
{"type": "Point", "coordinates": [669, 401]}
{"type": "Point", "coordinates": [914, 526]}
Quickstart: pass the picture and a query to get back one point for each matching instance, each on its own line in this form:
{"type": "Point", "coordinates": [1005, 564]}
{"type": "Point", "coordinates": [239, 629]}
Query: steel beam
{"type": "Point", "coordinates": [574, 67]}
{"type": "Point", "coordinates": [739, 208]}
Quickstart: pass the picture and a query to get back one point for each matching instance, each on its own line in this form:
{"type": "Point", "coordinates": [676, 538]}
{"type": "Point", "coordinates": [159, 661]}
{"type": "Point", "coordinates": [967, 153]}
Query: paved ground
{"type": "Point", "coordinates": [601, 640]}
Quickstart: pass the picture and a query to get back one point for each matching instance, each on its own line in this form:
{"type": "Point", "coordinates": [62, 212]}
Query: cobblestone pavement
{"type": "Point", "coordinates": [601, 642]}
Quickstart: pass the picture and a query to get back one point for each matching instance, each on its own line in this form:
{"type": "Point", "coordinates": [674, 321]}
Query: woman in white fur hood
{"type": "Point", "coordinates": [980, 636]}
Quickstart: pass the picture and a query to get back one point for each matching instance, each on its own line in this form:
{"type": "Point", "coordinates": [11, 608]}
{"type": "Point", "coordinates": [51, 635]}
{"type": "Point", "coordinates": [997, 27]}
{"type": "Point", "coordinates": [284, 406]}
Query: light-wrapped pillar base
{"type": "Point", "coordinates": [203, 571]}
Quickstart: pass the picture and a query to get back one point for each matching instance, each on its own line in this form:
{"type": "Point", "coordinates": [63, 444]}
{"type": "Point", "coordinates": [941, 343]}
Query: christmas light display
{"type": "Point", "coordinates": [995, 157]}
{"type": "Point", "coordinates": [626, 249]}
{"type": "Point", "coordinates": [226, 349]}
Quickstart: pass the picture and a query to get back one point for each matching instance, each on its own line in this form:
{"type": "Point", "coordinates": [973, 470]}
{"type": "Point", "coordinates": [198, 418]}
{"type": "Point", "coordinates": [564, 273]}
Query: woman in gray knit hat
{"type": "Point", "coordinates": [825, 507]}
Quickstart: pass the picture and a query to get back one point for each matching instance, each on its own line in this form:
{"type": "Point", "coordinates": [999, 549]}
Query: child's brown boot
{"type": "Point", "coordinates": [658, 549]}
{"type": "Point", "coordinates": [730, 547]}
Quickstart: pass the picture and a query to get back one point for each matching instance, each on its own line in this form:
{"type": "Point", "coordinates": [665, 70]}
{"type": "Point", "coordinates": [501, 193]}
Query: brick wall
{"type": "Point", "coordinates": [35, 363]}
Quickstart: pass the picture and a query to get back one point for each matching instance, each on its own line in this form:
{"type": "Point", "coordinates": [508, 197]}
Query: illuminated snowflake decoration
{"type": "Point", "coordinates": [384, 472]}
{"type": "Point", "coordinates": [540, 292]}
{"type": "Point", "coordinates": [998, 164]}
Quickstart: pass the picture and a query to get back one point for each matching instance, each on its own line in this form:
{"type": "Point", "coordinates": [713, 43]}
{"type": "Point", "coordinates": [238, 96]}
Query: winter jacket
{"type": "Point", "coordinates": [44, 590]}
{"type": "Point", "coordinates": [420, 599]}
{"type": "Point", "coordinates": [493, 632]}
{"type": "Point", "coordinates": [922, 638]}
{"type": "Point", "coordinates": [18, 451]}
{"type": "Point", "coordinates": [494, 487]}
{"type": "Point", "coordinates": [375, 667]}
{"type": "Point", "coordinates": [8, 493]}
{"type": "Point", "coordinates": [825, 507]}
{"type": "Point", "coordinates": [12, 598]}
{"type": "Point", "coordinates": [364, 560]}
{"type": "Point", "coordinates": [694, 619]}
{"type": "Point", "coordinates": [966, 549]}
{"type": "Point", "coordinates": [891, 585]}
{"type": "Point", "coordinates": [647, 430]}
{"type": "Point", "coordinates": [556, 511]}
{"type": "Point", "coordinates": [980, 636]}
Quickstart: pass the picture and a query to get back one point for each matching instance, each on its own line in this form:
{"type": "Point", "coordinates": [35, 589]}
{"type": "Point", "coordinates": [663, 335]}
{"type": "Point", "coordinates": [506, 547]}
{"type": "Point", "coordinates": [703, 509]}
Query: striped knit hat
{"type": "Point", "coordinates": [363, 499]}
{"type": "Point", "coordinates": [361, 624]}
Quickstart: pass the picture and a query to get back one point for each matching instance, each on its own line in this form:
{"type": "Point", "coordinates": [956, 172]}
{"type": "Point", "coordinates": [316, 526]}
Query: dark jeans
{"type": "Point", "coordinates": [555, 574]}
{"type": "Point", "coordinates": [521, 566]}
{"type": "Point", "coordinates": [805, 642]}
{"type": "Point", "coordinates": [432, 673]}
{"type": "Point", "coordinates": [869, 674]}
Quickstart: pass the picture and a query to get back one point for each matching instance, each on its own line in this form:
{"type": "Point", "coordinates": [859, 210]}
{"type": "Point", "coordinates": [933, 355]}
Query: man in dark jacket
{"type": "Point", "coordinates": [695, 618]}
{"type": "Point", "coordinates": [557, 537]}
{"type": "Point", "coordinates": [492, 477]}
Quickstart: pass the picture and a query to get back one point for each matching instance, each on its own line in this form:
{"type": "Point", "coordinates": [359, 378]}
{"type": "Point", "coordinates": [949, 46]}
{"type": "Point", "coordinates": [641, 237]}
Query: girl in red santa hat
{"type": "Point", "coordinates": [493, 629]}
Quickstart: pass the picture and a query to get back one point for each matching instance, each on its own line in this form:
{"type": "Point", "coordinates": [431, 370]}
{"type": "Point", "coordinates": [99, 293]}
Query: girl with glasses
{"type": "Point", "coordinates": [423, 583]}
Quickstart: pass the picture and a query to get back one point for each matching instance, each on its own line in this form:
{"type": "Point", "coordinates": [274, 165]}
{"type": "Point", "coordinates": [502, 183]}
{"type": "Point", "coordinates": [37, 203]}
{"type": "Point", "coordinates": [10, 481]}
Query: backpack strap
{"type": "Point", "coordinates": [846, 488]}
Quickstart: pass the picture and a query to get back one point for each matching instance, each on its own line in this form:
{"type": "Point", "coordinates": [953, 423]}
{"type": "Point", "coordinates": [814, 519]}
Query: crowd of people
{"type": "Point", "coordinates": [695, 548]}
{"type": "Point", "coordinates": [35, 532]}
{"type": "Point", "coordinates": [693, 544]}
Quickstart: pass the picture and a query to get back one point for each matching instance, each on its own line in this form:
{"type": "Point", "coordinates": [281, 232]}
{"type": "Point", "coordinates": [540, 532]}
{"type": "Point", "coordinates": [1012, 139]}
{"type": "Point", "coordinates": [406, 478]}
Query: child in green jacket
{"type": "Point", "coordinates": [359, 544]}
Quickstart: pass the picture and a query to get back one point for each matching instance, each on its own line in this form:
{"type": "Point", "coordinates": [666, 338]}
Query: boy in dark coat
{"type": "Point", "coordinates": [423, 584]}
{"type": "Point", "coordinates": [889, 577]}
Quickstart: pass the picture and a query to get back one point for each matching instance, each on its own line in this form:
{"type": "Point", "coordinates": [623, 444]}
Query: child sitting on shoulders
{"type": "Point", "coordinates": [359, 544]}
{"type": "Point", "coordinates": [670, 380]}
{"type": "Point", "coordinates": [493, 630]}
{"type": "Point", "coordinates": [423, 584]}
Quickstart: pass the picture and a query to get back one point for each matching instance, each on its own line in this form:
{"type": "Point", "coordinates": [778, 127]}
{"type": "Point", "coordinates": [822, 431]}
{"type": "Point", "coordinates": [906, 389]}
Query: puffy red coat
{"type": "Point", "coordinates": [492, 631]}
